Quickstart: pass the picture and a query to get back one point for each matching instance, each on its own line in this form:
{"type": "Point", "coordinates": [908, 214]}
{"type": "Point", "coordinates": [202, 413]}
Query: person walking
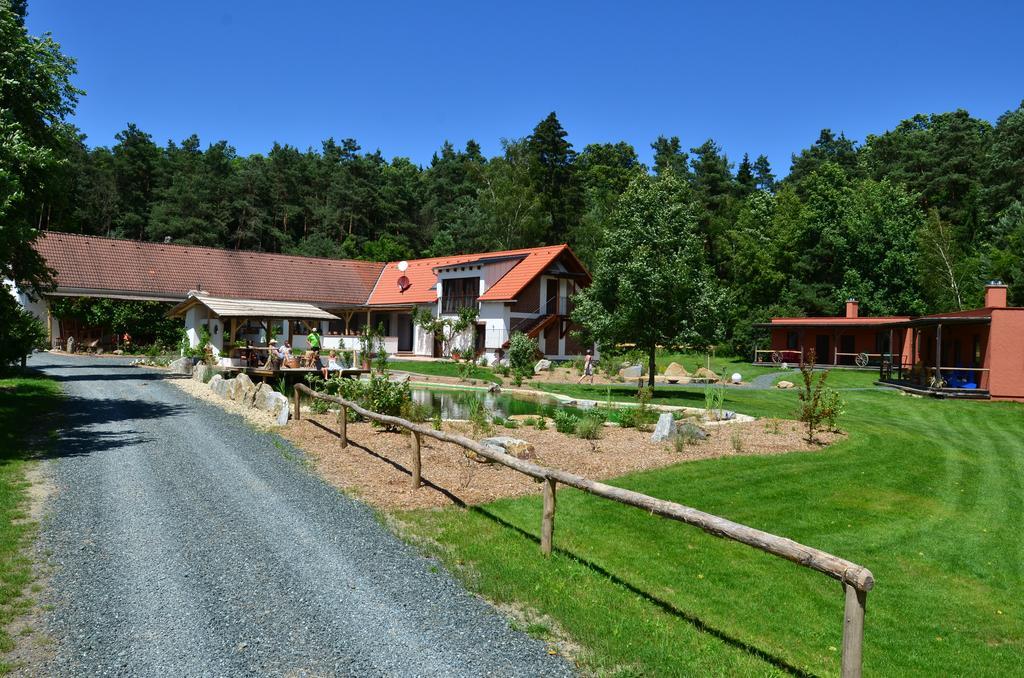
{"type": "Point", "coordinates": [588, 367]}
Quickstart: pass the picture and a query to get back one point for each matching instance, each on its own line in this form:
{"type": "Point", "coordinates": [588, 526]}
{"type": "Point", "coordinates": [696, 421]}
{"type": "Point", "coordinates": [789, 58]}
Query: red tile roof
{"type": "Point", "coordinates": [840, 321]}
{"type": "Point", "coordinates": [423, 278]}
{"type": "Point", "coordinates": [129, 267]}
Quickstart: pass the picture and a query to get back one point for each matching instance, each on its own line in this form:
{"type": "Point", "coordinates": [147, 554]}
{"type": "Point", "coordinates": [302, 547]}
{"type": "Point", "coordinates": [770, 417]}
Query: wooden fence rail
{"type": "Point", "coordinates": [856, 580]}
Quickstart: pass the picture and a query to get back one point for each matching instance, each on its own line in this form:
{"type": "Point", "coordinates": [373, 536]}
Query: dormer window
{"type": "Point", "coordinates": [459, 293]}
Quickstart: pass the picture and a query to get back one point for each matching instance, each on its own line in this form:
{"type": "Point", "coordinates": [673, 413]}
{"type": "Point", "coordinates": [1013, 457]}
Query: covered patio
{"type": "Point", "coordinates": [948, 356]}
{"type": "Point", "coordinates": [240, 332]}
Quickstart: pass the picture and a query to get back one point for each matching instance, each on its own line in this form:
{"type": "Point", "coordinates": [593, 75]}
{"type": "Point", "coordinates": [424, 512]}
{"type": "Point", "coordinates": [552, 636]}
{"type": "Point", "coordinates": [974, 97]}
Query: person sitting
{"type": "Point", "coordinates": [332, 364]}
{"type": "Point", "coordinates": [273, 357]}
{"type": "Point", "coordinates": [285, 353]}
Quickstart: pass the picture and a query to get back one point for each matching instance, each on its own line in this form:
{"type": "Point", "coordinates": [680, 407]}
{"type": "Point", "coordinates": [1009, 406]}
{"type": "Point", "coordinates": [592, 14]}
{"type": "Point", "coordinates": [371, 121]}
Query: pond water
{"type": "Point", "coordinates": [457, 403]}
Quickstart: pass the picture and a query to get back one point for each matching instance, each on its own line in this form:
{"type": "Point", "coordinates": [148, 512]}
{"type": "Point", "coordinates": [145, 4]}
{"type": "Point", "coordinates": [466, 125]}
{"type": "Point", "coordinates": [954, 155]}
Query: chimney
{"type": "Point", "coordinates": [995, 294]}
{"type": "Point", "coordinates": [852, 308]}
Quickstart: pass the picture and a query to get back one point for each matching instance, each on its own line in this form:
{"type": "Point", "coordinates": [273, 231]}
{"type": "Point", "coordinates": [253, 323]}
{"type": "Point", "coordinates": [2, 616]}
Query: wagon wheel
{"type": "Point", "coordinates": [776, 357]}
{"type": "Point", "coordinates": [862, 360]}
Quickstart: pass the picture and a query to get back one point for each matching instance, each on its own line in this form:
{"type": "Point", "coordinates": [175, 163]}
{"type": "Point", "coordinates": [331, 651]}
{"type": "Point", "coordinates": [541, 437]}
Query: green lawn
{"type": "Point", "coordinates": [928, 494]}
{"type": "Point", "coordinates": [26, 405]}
{"type": "Point", "coordinates": [444, 368]}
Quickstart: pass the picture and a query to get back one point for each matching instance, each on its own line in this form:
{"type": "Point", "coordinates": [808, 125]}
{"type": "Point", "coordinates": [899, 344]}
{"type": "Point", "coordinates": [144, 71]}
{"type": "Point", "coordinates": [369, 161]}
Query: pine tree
{"type": "Point", "coordinates": [552, 172]}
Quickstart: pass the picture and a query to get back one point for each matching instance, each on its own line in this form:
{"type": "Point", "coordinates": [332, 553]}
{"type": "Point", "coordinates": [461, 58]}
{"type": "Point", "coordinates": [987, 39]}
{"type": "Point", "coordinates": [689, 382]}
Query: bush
{"type": "Point", "coordinates": [377, 395]}
{"type": "Point", "coordinates": [20, 331]}
{"type": "Point", "coordinates": [478, 418]}
{"type": "Point", "coordinates": [435, 421]}
{"type": "Point", "coordinates": [465, 370]}
{"type": "Point", "coordinates": [542, 424]}
{"type": "Point", "coordinates": [589, 427]}
{"type": "Point", "coordinates": [565, 422]}
{"type": "Point", "coordinates": [415, 412]}
{"type": "Point", "coordinates": [522, 352]}
{"type": "Point", "coordinates": [319, 406]}
{"type": "Point", "coordinates": [511, 423]}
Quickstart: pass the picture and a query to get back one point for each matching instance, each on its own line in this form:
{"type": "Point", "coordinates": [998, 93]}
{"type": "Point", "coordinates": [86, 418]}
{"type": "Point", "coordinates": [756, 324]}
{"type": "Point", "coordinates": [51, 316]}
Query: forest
{"type": "Point", "coordinates": [911, 220]}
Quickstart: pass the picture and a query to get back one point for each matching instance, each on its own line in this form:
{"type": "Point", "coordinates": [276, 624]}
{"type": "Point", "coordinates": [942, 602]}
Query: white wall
{"type": "Point", "coordinates": [37, 307]}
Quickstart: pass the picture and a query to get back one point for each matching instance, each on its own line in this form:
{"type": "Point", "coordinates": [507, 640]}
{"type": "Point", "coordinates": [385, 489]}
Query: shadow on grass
{"type": "Point", "coordinates": [664, 605]}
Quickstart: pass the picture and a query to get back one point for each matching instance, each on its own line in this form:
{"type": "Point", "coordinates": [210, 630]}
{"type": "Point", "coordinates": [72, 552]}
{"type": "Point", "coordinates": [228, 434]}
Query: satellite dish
{"type": "Point", "coordinates": [402, 266]}
{"type": "Point", "coordinates": [403, 283]}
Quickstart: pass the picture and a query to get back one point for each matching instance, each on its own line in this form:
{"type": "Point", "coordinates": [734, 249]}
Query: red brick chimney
{"type": "Point", "coordinates": [852, 308]}
{"type": "Point", "coordinates": [995, 294]}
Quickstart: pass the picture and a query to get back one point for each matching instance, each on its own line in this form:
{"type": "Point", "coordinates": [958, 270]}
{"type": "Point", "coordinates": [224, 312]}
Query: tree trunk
{"type": "Point", "coordinates": [651, 367]}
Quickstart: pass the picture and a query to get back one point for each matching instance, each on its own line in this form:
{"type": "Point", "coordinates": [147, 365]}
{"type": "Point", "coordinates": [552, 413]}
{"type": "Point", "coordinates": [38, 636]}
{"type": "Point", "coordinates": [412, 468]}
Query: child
{"type": "Point", "coordinates": [332, 364]}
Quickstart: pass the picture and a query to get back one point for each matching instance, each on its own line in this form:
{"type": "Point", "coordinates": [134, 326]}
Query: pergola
{"type": "Point", "coordinates": [239, 312]}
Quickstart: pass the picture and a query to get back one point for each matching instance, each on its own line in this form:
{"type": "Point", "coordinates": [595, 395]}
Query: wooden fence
{"type": "Point", "coordinates": [856, 580]}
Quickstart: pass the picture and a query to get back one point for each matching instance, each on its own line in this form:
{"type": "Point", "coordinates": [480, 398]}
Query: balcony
{"type": "Point", "coordinates": [452, 304]}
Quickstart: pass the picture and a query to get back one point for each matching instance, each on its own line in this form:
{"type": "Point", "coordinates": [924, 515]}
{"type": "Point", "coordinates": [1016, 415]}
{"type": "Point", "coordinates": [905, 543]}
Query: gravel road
{"type": "Point", "coordinates": [185, 543]}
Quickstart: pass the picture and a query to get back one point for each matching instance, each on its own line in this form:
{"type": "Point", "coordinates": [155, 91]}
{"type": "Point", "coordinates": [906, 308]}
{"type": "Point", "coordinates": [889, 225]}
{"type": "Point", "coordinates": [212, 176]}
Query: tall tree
{"type": "Point", "coordinates": [764, 178]}
{"type": "Point", "coordinates": [652, 285]}
{"type": "Point", "coordinates": [137, 163]}
{"type": "Point", "coordinates": [552, 170]}
{"type": "Point", "coordinates": [669, 156]}
{"type": "Point", "coordinates": [746, 182]}
{"type": "Point", "coordinates": [830, 149]}
{"type": "Point", "coordinates": [36, 97]}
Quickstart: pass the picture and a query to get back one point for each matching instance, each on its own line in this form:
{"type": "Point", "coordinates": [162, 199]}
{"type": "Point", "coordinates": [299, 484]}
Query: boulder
{"type": "Point", "coordinates": [705, 373]}
{"type": "Point", "coordinates": [263, 399]}
{"type": "Point", "coordinates": [691, 431]}
{"type": "Point", "coordinates": [278, 407]}
{"type": "Point", "coordinates": [665, 429]}
{"type": "Point", "coordinates": [542, 366]}
{"type": "Point", "coordinates": [785, 384]}
{"type": "Point", "coordinates": [231, 387]}
{"type": "Point", "coordinates": [631, 372]}
{"type": "Point", "coordinates": [219, 385]}
{"type": "Point", "coordinates": [200, 371]}
{"type": "Point", "coordinates": [181, 366]}
{"type": "Point", "coordinates": [520, 449]}
{"type": "Point", "coordinates": [244, 388]}
{"type": "Point", "coordinates": [676, 370]}
{"type": "Point", "coordinates": [399, 378]}
{"type": "Point", "coordinates": [117, 351]}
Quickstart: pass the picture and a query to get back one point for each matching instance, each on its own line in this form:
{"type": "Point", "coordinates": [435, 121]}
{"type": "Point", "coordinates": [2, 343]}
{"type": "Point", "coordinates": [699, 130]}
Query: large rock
{"type": "Point", "coordinates": [278, 408]}
{"type": "Point", "coordinates": [690, 431]}
{"type": "Point", "coordinates": [676, 370]}
{"type": "Point", "coordinates": [520, 449]}
{"type": "Point", "coordinates": [631, 372]}
{"type": "Point", "coordinates": [260, 397]}
{"type": "Point", "coordinates": [705, 373]}
{"type": "Point", "coordinates": [181, 366]}
{"type": "Point", "coordinates": [400, 378]}
{"type": "Point", "coordinates": [542, 365]}
{"type": "Point", "coordinates": [785, 384]}
{"type": "Point", "coordinates": [219, 385]}
{"type": "Point", "coordinates": [244, 388]}
{"type": "Point", "coordinates": [232, 387]}
{"type": "Point", "coordinates": [200, 371]}
{"type": "Point", "coordinates": [665, 429]}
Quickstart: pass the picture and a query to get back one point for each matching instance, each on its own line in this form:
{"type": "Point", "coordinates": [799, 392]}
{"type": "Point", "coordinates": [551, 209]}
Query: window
{"type": "Point", "coordinates": [793, 340]}
{"type": "Point", "coordinates": [459, 293]}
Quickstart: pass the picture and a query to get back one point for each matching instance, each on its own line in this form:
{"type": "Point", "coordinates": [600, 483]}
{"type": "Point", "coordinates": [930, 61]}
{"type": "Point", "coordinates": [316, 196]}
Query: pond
{"type": "Point", "coordinates": [457, 403]}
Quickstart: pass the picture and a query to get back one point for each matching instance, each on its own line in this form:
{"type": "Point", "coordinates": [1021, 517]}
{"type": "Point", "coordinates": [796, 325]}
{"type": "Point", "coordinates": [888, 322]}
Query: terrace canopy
{"type": "Point", "coordinates": [236, 314]}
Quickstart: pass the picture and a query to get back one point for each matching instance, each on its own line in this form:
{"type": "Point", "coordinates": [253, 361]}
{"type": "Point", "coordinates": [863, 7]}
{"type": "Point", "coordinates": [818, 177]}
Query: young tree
{"type": "Point", "coordinates": [652, 282]}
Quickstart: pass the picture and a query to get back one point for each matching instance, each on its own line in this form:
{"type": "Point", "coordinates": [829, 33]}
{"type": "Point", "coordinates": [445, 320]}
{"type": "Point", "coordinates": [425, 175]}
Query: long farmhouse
{"type": "Point", "coordinates": [246, 296]}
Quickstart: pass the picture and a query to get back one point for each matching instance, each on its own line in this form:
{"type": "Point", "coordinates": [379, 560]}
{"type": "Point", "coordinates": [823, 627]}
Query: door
{"type": "Point", "coordinates": [821, 349]}
{"type": "Point", "coordinates": [552, 296]}
{"type": "Point", "coordinates": [404, 332]}
{"type": "Point", "coordinates": [846, 345]}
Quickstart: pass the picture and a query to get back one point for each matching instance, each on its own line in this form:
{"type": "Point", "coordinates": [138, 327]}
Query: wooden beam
{"type": "Point", "coordinates": [343, 427]}
{"type": "Point", "coordinates": [547, 525]}
{"type": "Point", "coordinates": [853, 631]}
{"type": "Point", "coordinates": [416, 482]}
{"type": "Point", "coordinates": [938, 351]}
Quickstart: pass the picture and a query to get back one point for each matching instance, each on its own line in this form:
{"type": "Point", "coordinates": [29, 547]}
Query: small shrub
{"type": "Point", "coordinates": [517, 380]}
{"type": "Point", "coordinates": [415, 412]}
{"type": "Point", "coordinates": [208, 375]}
{"type": "Point", "coordinates": [811, 411]}
{"type": "Point", "coordinates": [465, 370]}
{"type": "Point", "coordinates": [498, 420]}
{"type": "Point", "coordinates": [511, 423]}
{"type": "Point", "coordinates": [832, 407]}
{"type": "Point", "coordinates": [482, 362]}
{"type": "Point", "coordinates": [318, 406]}
{"type": "Point", "coordinates": [688, 434]}
{"type": "Point", "coordinates": [529, 421]}
{"type": "Point", "coordinates": [479, 419]}
{"type": "Point", "coordinates": [737, 443]}
{"type": "Point", "coordinates": [542, 424]}
{"type": "Point", "coordinates": [772, 427]}
{"type": "Point", "coordinates": [589, 427]}
{"type": "Point", "coordinates": [565, 422]}
{"type": "Point", "coordinates": [435, 422]}
{"type": "Point", "coordinates": [522, 351]}
{"type": "Point", "coordinates": [714, 399]}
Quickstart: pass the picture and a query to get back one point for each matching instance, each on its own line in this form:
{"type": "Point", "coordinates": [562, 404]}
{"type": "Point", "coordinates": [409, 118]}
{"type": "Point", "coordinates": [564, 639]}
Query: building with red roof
{"type": "Point", "coordinates": [975, 353]}
{"type": "Point", "coordinates": [528, 290]}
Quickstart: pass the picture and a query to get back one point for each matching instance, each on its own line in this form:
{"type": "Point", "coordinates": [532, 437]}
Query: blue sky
{"type": "Point", "coordinates": [403, 77]}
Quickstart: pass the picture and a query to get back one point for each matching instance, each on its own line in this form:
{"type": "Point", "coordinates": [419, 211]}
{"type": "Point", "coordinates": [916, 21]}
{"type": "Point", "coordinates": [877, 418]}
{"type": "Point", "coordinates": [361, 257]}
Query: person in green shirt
{"type": "Point", "coordinates": [314, 345]}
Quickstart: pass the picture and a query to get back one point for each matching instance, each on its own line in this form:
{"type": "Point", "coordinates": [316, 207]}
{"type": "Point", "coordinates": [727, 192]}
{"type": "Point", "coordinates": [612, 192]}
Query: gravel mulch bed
{"type": "Point", "coordinates": [376, 464]}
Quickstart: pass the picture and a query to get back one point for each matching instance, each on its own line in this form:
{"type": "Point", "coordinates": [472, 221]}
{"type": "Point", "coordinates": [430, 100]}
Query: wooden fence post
{"type": "Point", "coordinates": [298, 404]}
{"type": "Point", "coordinates": [853, 631]}
{"type": "Point", "coordinates": [547, 526]}
{"type": "Point", "coordinates": [343, 427]}
{"type": "Point", "coordinates": [415, 459]}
